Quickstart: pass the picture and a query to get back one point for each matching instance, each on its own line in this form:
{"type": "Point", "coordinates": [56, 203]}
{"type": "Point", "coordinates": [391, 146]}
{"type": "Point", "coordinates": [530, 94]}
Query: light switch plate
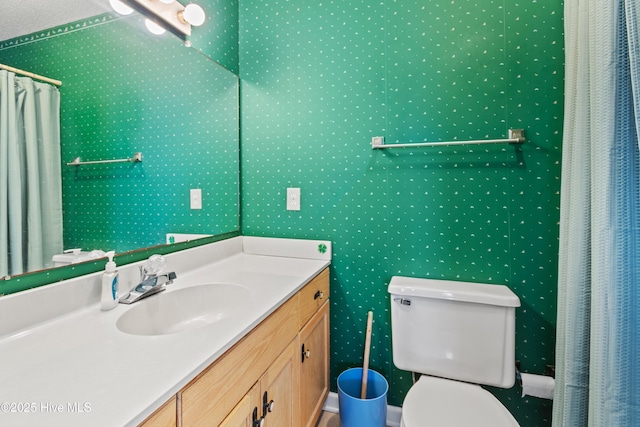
{"type": "Point", "coordinates": [293, 199]}
{"type": "Point", "coordinates": [195, 196]}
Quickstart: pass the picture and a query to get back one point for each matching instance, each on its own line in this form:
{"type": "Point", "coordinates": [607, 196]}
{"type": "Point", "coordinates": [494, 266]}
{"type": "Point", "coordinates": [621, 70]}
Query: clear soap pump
{"type": "Point", "coordinates": [109, 285]}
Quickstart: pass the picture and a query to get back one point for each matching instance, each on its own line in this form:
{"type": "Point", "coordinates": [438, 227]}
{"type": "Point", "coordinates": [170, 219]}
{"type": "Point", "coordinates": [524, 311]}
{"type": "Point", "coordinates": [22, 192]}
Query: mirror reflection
{"type": "Point", "coordinates": [125, 91]}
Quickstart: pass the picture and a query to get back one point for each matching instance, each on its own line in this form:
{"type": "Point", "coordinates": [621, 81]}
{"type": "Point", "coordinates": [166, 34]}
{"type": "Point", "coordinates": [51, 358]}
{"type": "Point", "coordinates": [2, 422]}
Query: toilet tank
{"type": "Point", "coordinates": [458, 330]}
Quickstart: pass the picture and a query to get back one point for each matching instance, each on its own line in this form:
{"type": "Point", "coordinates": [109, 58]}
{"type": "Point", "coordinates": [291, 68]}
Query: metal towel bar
{"type": "Point", "coordinates": [516, 136]}
{"type": "Point", "coordinates": [137, 157]}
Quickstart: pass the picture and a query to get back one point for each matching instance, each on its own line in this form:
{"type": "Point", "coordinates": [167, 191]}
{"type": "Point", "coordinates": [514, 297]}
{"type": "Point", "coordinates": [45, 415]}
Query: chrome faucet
{"type": "Point", "coordinates": [150, 284]}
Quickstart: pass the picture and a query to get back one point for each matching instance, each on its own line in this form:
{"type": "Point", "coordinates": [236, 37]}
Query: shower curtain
{"type": "Point", "coordinates": [598, 331]}
{"type": "Point", "coordinates": [30, 176]}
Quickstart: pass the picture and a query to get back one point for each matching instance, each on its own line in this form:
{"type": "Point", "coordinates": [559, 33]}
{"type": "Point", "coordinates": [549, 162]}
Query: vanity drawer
{"type": "Point", "coordinates": [313, 295]}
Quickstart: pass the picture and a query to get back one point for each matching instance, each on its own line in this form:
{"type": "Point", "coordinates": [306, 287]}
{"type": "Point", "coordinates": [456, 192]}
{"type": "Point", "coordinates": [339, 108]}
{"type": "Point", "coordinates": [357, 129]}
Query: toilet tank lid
{"type": "Point", "coordinates": [480, 293]}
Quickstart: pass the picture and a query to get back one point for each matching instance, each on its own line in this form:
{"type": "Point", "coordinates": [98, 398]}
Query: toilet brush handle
{"type": "Point", "coordinates": [365, 364]}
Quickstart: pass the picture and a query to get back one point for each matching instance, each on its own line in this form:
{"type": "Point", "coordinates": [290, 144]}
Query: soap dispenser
{"type": "Point", "coordinates": [109, 285]}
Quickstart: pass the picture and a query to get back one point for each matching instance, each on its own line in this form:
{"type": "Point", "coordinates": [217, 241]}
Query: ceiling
{"type": "Point", "coordinates": [20, 17]}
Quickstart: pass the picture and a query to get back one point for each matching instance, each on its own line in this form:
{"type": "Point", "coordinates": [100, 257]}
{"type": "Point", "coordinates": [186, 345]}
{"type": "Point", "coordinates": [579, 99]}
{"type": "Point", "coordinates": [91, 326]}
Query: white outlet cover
{"type": "Point", "coordinates": [293, 199]}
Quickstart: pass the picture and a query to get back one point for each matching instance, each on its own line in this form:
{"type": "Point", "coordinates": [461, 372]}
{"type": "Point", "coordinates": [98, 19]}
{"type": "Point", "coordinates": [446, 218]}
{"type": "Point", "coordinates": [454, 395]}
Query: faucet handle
{"type": "Point", "coordinates": [171, 276]}
{"type": "Point", "coordinates": [154, 265]}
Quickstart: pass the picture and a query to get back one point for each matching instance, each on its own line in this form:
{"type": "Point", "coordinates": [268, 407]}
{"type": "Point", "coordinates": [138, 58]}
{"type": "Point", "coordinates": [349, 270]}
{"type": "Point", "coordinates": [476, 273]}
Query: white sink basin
{"type": "Point", "coordinates": [182, 309]}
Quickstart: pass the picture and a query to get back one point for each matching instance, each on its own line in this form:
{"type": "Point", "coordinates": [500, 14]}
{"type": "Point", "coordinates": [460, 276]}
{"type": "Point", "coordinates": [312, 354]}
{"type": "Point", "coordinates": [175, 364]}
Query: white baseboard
{"type": "Point", "coordinates": [394, 413]}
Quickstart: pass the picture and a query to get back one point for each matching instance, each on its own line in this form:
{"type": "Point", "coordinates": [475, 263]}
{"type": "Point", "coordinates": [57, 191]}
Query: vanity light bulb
{"type": "Point", "coordinates": [194, 14]}
{"type": "Point", "coordinates": [120, 7]}
{"type": "Point", "coordinates": [153, 27]}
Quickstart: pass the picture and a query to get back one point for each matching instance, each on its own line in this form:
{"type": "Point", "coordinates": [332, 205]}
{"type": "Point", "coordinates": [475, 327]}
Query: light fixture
{"type": "Point", "coordinates": [153, 27]}
{"type": "Point", "coordinates": [120, 7]}
{"type": "Point", "coordinates": [166, 14]}
{"type": "Point", "coordinates": [192, 14]}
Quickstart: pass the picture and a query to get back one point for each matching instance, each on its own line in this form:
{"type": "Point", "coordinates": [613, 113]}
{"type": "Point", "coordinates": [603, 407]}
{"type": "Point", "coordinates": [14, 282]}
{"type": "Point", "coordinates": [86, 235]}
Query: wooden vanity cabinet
{"type": "Point", "coordinates": [208, 399]}
{"type": "Point", "coordinates": [314, 366]}
{"type": "Point", "coordinates": [267, 376]}
{"type": "Point", "coordinates": [279, 390]}
{"type": "Point", "coordinates": [314, 348]}
{"type": "Point", "coordinates": [246, 413]}
{"type": "Point", "coordinates": [271, 400]}
{"type": "Point", "coordinates": [165, 416]}
{"type": "Point", "coordinates": [313, 296]}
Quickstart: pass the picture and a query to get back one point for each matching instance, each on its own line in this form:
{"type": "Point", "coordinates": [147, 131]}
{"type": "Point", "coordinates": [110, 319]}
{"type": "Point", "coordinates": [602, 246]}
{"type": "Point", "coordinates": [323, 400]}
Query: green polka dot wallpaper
{"type": "Point", "coordinates": [125, 91]}
{"type": "Point", "coordinates": [217, 38]}
{"type": "Point", "coordinates": [320, 79]}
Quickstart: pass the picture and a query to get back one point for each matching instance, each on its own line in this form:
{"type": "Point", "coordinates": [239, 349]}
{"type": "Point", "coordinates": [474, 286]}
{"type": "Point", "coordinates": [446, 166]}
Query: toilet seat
{"type": "Point", "coordinates": [440, 402]}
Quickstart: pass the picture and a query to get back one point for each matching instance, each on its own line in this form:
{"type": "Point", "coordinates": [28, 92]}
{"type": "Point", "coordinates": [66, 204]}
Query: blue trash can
{"type": "Point", "coordinates": [356, 412]}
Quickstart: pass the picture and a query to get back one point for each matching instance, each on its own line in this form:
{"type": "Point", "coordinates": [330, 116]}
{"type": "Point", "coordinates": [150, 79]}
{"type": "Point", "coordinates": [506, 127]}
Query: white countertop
{"type": "Point", "coordinates": [78, 369]}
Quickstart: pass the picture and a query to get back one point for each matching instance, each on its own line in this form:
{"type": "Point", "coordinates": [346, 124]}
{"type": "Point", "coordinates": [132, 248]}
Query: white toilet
{"type": "Point", "coordinates": [457, 335]}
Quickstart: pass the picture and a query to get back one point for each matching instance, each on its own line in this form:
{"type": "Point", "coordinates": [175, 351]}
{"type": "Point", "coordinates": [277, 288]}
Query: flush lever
{"type": "Point", "coordinates": [403, 301]}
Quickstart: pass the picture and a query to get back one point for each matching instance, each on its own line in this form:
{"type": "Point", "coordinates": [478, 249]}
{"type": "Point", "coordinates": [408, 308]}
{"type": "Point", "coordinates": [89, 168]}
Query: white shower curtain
{"type": "Point", "coordinates": [30, 178]}
{"type": "Point", "coordinates": [598, 331]}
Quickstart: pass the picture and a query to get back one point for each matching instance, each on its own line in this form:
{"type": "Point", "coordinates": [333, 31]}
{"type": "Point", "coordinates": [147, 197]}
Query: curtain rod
{"type": "Point", "coordinates": [32, 75]}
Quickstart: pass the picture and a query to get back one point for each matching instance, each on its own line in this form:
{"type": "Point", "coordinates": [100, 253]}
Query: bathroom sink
{"type": "Point", "coordinates": [182, 309]}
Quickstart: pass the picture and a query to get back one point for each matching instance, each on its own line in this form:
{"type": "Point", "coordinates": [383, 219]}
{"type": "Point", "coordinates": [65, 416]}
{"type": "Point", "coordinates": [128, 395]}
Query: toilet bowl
{"type": "Point", "coordinates": [440, 402]}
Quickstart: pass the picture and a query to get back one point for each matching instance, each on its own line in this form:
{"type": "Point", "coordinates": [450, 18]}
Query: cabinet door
{"type": "Point", "coordinates": [314, 366]}
{"type": "Point", "coordinates": [245, 412]}
{"type": "Point", "coordinates": [279, 389]}
{"type": "Point", "coordinates": [163, 417]}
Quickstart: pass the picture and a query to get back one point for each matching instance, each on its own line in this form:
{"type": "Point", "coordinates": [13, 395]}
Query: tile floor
{"type": "Point", "coordinates": [329, 419]}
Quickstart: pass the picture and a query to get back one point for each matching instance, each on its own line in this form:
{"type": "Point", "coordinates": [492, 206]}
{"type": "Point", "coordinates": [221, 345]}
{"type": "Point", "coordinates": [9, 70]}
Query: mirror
{"type": "Point", "coordinates": [125, 91]}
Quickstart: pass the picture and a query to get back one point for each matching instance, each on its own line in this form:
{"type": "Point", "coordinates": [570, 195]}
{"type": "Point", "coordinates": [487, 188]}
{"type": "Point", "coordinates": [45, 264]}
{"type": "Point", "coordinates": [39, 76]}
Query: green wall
{"type": "Point", "coordinates": [217, 38]}
{"type": "Point", "coordinates": [318, 80]}
{"type": "Point", "coordinates": [124, 91]}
